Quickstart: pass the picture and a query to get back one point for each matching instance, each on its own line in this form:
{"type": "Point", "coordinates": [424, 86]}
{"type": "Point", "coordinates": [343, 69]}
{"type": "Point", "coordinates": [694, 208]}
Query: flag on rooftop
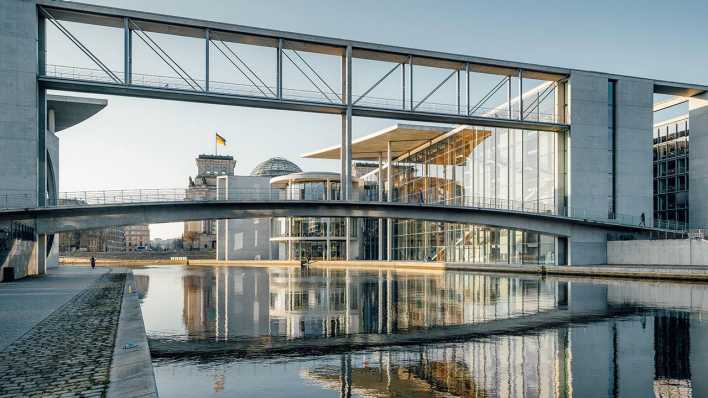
{"type": "Point", "coordinates": [220, 140]}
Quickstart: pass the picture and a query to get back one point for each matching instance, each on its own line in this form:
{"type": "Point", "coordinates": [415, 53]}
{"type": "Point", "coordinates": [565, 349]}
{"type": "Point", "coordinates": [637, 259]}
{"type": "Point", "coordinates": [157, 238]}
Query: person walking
{"type": "Point", "coordinates": [642, 220]}
{"type": "Point", "coordinates": [93, 262]}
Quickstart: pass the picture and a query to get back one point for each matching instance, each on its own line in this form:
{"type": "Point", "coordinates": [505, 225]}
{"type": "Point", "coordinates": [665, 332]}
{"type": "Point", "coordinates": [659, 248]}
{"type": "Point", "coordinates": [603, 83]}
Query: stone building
{"type": "Point", "coordinates": [201, 234]}
{"type": "Point", "coordinates": [136, 236]}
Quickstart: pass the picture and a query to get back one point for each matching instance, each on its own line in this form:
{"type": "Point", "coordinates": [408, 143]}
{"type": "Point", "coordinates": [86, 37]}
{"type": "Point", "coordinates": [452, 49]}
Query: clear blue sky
{"type": "Point", "coordinates": [152, 144]}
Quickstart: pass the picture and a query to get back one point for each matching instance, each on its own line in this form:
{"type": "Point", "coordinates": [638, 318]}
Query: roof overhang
{"type": "Point", "coordinates": [70, 111]}
{"type": "Point", "coordinates": [679, 89]}
{"type": "Point", "coordinates": [403, 138]}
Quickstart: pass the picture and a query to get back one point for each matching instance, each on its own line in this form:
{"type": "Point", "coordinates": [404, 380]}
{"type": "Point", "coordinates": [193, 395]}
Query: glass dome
{"type": "Point", "coordinates": [275, 167]}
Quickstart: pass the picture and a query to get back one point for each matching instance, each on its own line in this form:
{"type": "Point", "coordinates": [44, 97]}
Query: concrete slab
{"type": "Point", "coordinates": [26, 302]}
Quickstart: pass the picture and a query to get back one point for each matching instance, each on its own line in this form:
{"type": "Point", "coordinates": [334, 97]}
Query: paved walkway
{"type": "Point", "coordinates": [24, 303]}
{"type": "Point", "coordinates": [69, 352]}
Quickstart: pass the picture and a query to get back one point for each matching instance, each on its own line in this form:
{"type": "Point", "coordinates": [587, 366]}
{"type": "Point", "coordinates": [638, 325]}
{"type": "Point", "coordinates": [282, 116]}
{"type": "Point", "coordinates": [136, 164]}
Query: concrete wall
{"type": "Point", "coordinates": [243, 239]}
{"type": "Point", "coordinates": [22, 257]}
{"type": "Point", "coordinates": [587, 144]}
{"type": "Point", "coordinates": [589, 161]}
{"type": "Point", "coordinates": [18, 98]}
{"type": "Point", "coordinates": [698, 161]}
{"type": "Point", "coordinates": [633, 142]}
{"type": "Point", "coordinates": [658, 252]}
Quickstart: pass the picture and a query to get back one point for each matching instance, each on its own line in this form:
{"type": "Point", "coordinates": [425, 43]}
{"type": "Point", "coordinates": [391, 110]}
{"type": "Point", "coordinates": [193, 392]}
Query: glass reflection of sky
{"type": "Point", "coordinates": [580, 340]}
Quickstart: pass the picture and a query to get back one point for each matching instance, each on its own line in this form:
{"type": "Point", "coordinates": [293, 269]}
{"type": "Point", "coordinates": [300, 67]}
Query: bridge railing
{"type": "Point", "coordinates": [431, 197]}
{"type": "Point", "coordinates": [250, 90]}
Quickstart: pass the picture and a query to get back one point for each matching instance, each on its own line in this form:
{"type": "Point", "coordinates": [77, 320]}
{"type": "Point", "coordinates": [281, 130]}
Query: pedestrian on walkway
{"type": "Point", "coordinates": [93, 262]}
{"type": "Point", "coordinates": [642, 220]}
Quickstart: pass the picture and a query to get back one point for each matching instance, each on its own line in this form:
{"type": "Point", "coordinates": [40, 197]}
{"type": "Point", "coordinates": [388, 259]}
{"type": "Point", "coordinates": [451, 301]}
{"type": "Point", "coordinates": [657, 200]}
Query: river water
{"type": "Point", "coordinates": [269, 332]}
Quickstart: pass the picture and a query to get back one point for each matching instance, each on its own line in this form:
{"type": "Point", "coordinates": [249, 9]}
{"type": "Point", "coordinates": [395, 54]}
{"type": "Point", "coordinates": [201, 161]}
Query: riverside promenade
{"type": "Point", "coordinates": [73, 332]}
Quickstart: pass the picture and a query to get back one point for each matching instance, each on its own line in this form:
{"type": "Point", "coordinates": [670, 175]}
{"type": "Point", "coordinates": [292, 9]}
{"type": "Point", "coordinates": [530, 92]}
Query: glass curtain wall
{"type": "Point", "coordinates": [467, 243]}
{"type": "Point", "coordinates": [481, 167]}
{"type": "Point", "coordinates": [484, 167]}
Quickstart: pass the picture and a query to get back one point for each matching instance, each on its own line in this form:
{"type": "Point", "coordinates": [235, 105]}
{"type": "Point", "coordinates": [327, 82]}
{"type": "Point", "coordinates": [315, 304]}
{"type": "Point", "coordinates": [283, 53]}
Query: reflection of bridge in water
{"type": "Point", "coordinates": [326, 310]}
{"type": "Point", "coordinates": [443, 332]}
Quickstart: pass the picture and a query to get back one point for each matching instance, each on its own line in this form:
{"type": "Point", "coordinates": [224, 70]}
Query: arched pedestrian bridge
{"type": "Point", "coordinates": [74, 211]}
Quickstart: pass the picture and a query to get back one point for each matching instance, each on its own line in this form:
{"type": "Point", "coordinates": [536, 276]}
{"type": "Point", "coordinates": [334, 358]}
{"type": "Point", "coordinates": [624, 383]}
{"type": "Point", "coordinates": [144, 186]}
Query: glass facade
{"type": "Point", "coordinates": [468, 243]}
{"type": "Point", "coordinates": [670, 171]}
{"type": "Point", "coordinates": [483, 167]}
{"type": "Point", "coordinates": [479, 167]}
{"type": "Point", "coordinates": [317, 238]}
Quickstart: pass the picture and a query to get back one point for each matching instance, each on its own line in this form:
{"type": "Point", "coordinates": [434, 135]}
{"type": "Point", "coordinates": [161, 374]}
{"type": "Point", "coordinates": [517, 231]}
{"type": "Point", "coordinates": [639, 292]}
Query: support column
{"type": "Point", "coordinates": [346, 152]}
{"type": "Point", "coordinates": [467, 78]}
{"type": "Point", "coordinates": [279, 70]}
{"type": "Point", "coordinates": [521, 95]}
{"type": "Point", "coordinates": [389, 198]}
{"type": "Point", "coordinates": [381, 189]}
{"type": "Point", "coordinates": [41, 147]}
{"type": "Point", "coordinates": [509, 97]}
{"type": "Point", "coordinates": [128, 53]}
{"type": "Point", "coordinates": [410, 83]}
{"type": "Point", "coordinates": [207, 40]}
{"type": "Point", "coordinates": [42, 254]}
{"type": "Point", "coordinates": [41, 113]}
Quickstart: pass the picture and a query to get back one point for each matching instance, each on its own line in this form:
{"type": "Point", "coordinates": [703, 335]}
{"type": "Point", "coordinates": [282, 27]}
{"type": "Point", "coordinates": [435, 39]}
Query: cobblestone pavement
{"type": "Point", "coordinates": [68, 354]}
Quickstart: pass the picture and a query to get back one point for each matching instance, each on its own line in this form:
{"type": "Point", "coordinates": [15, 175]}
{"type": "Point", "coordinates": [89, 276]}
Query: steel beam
{"type": "Point", "coordinates": [207, 44]}
{"type": "Point", "coordinates": [279, 70]}
{"type": "Point", "coordinates": [410, 83]}
{"type": "Point", "coordinates": [467, 74]}
{"type": "Point", "coordinates": [189, 27]}
{"type": "Point", "coordinates": [521, 95]}
{"type": "Point", "coordinates": [128, 52]}
{"type": "Point", "coordinates": [53, 83]}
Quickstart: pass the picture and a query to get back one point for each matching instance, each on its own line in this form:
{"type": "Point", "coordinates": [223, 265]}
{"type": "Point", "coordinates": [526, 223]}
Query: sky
{"type": "Point", "coordinates": [143, 143]}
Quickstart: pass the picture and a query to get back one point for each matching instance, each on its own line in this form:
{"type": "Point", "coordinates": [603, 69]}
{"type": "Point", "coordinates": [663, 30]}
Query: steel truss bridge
{"type": "Point", "coordinates": [520, 109]}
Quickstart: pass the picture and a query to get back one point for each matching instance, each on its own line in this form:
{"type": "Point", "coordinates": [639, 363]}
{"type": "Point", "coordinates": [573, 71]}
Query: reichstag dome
{"type": "Point", "coordinates": [275, 167]}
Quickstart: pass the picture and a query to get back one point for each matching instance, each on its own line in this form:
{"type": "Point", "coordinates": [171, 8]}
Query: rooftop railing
{"type": "Point", "coordinates": [210, 194]}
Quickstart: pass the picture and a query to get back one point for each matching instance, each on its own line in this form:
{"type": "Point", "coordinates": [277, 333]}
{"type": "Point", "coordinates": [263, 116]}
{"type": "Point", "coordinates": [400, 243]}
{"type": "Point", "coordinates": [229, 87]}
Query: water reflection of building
{"type": "Point", "coordinates": [326, 302]}
{"type": "Point", "coordinates": [224, 303]}
{"type": "Point", "coordinates": [510, 366]}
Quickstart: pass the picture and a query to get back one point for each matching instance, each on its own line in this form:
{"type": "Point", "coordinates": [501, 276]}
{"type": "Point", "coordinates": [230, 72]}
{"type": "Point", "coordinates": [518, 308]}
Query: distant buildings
{"type": "Point", "coordinates": [112, 239]}
{"type": "Point", "coordinates": [136, 236]}
{"type": "Point", "coordinates": [201, 235]}
{"type": "Point", "coordinates": [93, 240]}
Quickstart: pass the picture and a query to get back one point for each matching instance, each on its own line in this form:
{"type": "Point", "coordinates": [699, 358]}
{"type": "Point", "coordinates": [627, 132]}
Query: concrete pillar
{"type": "Point", "coordinates": [389, 198]}
{"type": "Point", "coordinates": [634, 102]}
{"type": "Point", "coordinates": [41, 254]}
{"type": "Point", "coordinates": [698, 161]}
{"type": "Point", "coordinates": [380, 189]}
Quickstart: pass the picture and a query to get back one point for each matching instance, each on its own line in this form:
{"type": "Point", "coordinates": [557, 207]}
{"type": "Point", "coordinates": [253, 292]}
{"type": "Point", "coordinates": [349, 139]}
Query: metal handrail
{"type": "Point", "coordinates": [251, 90]}
{"type": "Point", "coordinates": [430, 197]}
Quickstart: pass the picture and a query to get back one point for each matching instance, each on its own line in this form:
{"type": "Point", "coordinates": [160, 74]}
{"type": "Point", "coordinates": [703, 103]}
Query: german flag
{"type": "Point", "coordinates": [220, 140]}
